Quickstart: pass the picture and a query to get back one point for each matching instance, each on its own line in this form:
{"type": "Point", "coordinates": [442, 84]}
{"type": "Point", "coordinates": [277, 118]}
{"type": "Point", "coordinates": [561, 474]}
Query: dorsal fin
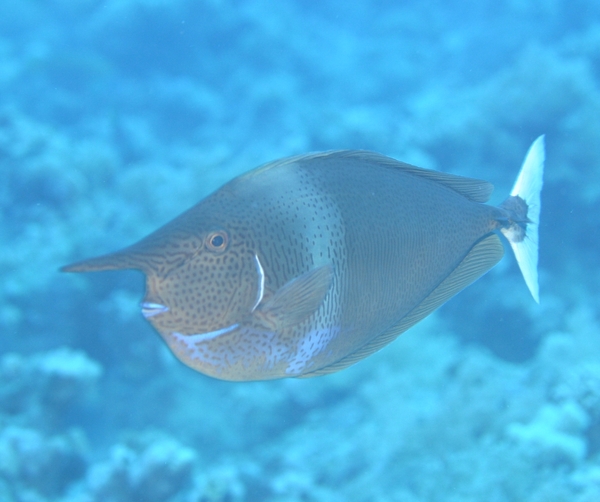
{"type": "Point", "coordinates": [471, 188]}
{"type": "Point", "coordinates": [483, 256]}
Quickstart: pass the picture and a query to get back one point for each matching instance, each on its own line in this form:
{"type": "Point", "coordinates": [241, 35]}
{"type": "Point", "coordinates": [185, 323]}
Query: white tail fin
{"type": "Point", "coordinates": [528, 187]}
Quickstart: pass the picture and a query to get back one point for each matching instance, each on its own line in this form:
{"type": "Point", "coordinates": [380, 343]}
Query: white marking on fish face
{"type": "Point", "coordinates": [241, 346]}
{"type": "Point", "coordinates": [151, 309]}
{"type": "Point", "coordinates": [190, 340]}
{"type": "Point", "coordinates": [194, 346]}
{"type": "Point", "coordinates": [261, 282]}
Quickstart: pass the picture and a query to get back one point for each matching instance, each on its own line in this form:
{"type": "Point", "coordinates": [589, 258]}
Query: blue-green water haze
{"type": "Point", "coordinates": [117, 115]}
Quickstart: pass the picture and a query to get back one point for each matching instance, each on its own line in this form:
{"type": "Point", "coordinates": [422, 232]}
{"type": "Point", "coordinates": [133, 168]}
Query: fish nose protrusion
{"type": "Point", "coordinates": [150, 309]}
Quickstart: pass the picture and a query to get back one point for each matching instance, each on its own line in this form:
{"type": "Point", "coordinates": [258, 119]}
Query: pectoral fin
{"type": "Point", "coordinates": [293, 302]}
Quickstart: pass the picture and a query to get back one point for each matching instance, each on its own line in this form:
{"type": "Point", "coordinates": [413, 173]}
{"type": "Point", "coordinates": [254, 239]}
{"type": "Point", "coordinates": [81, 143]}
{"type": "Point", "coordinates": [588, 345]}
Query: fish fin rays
{"type": "Point", "coordinates": [528, 187]}
{"type": "Point", "coordinates": [471, 188]}
{"type": "Point", "coordinates": [293, 302]}
{"type": "Point", "coordinates": [482, 257]}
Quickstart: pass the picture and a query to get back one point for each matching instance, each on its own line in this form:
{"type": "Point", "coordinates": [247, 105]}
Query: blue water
{"type": "Point", "coordinates": [117, 115]}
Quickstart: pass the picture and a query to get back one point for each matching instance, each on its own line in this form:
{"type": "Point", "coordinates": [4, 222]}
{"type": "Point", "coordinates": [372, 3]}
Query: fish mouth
{"type": "Point", "coordinates": [202, 337]}
{"type": "Point", "coordinates": [150, 309]}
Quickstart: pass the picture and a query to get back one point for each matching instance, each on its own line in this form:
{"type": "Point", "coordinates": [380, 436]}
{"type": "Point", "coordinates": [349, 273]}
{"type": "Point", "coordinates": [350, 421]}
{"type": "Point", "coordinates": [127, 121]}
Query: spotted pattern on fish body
{"type": "Point", "coordinates": [308, 264]}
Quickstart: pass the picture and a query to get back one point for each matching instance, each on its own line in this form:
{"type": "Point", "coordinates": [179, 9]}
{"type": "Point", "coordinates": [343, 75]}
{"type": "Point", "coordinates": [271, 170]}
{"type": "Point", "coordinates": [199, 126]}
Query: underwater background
{"type": "Point", "coordinates": [117, 115]}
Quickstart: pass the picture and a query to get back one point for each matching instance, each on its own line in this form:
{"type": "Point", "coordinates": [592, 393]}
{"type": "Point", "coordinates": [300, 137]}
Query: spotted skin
{"type": "Point", "coordinates": [295, 266]}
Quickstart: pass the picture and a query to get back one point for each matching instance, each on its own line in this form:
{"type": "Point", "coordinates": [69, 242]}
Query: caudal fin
{"type": "Point", "coordinates": [524, 203]}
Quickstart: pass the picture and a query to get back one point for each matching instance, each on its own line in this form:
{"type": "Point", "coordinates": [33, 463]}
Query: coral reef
{"type": "Point", "coordinates": [158, 471]}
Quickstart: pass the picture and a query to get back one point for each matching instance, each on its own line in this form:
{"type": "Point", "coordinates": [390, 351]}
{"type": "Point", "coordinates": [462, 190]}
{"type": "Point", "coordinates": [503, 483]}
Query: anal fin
{"type": "Point", "coordinates": [482, 257]}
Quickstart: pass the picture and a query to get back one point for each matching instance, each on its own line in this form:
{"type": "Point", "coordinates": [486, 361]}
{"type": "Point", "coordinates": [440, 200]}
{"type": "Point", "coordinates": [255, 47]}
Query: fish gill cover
{"type": "Point", "coordinates": [115, 116]}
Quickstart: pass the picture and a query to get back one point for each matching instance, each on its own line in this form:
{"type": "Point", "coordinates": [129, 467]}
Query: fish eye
{"type": "Point", "coordinates": [217, 241]}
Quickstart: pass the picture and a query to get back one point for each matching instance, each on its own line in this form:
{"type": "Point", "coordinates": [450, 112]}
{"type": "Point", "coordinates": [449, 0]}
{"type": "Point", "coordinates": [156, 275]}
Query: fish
{"type": "Point", "coordinates": [308, 264]}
